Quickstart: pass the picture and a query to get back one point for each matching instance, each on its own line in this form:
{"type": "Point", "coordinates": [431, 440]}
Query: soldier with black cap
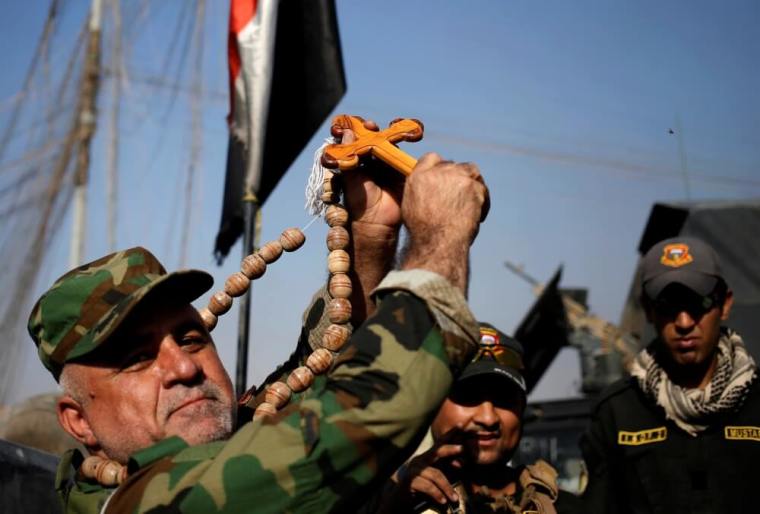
{"type": "Point", "coordinates": [474, 436]}
{"type": "Point", "coordinates": [682, 433]}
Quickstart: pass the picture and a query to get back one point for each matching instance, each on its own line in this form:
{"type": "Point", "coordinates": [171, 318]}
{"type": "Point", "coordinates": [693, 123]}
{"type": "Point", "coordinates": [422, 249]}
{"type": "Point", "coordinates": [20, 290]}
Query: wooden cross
{"type": "Point", "coordinates": [378, 143]}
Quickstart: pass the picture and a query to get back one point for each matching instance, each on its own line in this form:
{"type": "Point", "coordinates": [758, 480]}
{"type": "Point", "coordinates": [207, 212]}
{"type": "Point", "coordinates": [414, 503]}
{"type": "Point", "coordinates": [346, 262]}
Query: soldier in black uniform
{"type": "Point", "coordinates": [682, 433]}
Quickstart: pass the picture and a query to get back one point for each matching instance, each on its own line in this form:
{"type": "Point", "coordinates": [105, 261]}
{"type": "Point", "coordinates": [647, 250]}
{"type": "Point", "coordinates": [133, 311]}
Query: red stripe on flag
{"type": "Point", "coordinates": [241, 13]}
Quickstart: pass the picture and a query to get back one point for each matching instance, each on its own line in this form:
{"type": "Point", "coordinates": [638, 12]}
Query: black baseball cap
{"type": "Point", "coordinates": [498, 355]}
{"type": "Point", "coordinates": [683, 260]}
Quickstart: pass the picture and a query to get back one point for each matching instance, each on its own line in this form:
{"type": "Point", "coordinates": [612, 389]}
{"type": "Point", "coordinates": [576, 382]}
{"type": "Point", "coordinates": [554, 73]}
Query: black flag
{"type": "Point", "coordinates": [287, 80]}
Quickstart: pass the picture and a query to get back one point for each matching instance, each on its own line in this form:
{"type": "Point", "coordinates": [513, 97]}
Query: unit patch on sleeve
{"type": "Point", "coordinates": [653, 435]}
{"type": "Point", "coordinates": [742, 433]}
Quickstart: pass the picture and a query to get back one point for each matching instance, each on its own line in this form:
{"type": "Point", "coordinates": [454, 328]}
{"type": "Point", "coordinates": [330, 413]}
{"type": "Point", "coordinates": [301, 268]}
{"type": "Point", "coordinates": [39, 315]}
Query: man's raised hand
{"type": "Point", "coordinates": [444, 204]}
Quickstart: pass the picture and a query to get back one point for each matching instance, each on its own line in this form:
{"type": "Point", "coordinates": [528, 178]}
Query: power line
{"type": "Point", "coordinates": [585, 160]}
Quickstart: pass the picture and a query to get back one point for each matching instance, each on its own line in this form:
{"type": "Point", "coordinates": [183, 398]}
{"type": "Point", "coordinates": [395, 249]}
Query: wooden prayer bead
{"type": "Point", "coordinates": [237, 284]}
{"type": "Point", "coordinates": [278, 394]}
{"type": "Point", "coordinates": [292, 239]}
{"type": "Point", "coordinates": [338, 261]}
{"type": "Point", "coordinates": [219, 303]}
{"type": "Point", "coordinates": [271, 251]}
{"type": "Point", "coordinates": [265, 410]}
{"type": "Point", "coordinates": [105, 471]}
{"type": "Point", "coordinates": [337, 238]}
{"type": "Point", "coordinates": [209, 319]}
{"type": "Point", "coordinates": [330, 190]}
{"type": "Point", "coordinates": [89, 466]}
{"type": "Point", "coordinates": [336, 216]}
{"type": "Point", "coordinates": [253, 266]}
{"type": "Point", "coordinates": [329, 183]}
{"type": "Point", "coordinates": [300, 379]}
{"type": "Point", "coordinates": [108, 472]}
{"type": "Point", "coordinates": [334, 337]}
{"type": "Point", "coordinates": [340, 286]}
{"type": "Point", "coordinates": [339, 310]}
{"type": "Point", "coordinates": [123, 475]}
{"type": "Point", "coordinates": [319, 361]}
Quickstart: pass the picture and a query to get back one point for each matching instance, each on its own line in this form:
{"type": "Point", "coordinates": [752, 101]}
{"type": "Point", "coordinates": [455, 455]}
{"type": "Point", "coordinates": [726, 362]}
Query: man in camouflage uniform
{"type": "Point", "coordinates": [474, 436]}
{"type": "Point", "coordinates": [140, 368]}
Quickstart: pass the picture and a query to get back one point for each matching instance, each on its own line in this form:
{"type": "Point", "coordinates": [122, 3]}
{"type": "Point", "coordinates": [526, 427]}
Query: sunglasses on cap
{"type": "Point", "coordinates": [671, 305]}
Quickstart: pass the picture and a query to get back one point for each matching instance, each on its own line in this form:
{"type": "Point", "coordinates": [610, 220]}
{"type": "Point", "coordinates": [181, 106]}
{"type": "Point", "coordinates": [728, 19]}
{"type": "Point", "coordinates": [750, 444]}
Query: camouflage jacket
{"type": "Point", "coordinates": [326, 451]}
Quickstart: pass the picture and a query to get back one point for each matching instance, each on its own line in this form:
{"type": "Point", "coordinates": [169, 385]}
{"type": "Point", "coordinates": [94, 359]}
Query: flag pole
{"type": "Point", "coordinates": [250, 209]}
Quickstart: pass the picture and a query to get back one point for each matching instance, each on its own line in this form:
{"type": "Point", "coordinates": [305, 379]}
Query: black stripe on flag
{"type": "Point", "coordinates": [308, 81]}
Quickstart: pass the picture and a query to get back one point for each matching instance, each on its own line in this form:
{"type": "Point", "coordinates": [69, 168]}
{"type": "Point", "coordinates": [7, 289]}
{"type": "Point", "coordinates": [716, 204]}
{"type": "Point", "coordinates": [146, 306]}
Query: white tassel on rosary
{"type": "Point", "coordinates": [314, 203]}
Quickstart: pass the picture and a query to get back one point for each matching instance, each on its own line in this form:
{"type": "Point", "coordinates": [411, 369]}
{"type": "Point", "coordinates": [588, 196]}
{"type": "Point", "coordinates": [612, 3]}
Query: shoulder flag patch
{"type": "Point", "coordinates": [742, 433]}
{"type": "Point", "coordinates": [652, 435]}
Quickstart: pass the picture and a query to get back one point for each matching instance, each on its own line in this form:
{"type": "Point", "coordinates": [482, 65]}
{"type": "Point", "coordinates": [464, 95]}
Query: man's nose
{"type": "Point", "coordinates": [684, 321]}
{"type": "Point", "coordinates": [485, 415]}
{"type": "Point", "coordinates": [177, 366]}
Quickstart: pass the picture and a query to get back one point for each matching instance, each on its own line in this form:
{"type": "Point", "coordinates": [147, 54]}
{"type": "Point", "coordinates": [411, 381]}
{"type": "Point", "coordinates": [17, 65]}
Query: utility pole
{"type": "Point", "coordinates": [87, 110]}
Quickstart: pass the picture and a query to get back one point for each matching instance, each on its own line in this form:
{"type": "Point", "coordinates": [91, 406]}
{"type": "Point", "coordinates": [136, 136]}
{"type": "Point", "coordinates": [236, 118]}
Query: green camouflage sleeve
{"type": "Point", "coordinates": [326, 452]}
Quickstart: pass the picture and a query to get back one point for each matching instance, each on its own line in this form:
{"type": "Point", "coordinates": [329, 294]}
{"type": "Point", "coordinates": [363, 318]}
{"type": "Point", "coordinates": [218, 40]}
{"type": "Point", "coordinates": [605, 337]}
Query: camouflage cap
{"type": "Point", "coordinates": [86, 305]}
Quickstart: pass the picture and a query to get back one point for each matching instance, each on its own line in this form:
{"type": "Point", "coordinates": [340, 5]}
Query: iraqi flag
{"type": "Point", "coordinates": [286, 76]}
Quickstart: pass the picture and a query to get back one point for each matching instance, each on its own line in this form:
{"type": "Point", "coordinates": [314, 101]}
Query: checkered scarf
{"type": "Point", "coordinates": [693, 409]}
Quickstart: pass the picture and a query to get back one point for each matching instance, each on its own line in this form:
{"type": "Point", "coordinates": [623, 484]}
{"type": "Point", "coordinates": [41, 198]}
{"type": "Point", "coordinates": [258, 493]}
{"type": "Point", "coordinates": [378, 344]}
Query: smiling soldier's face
{"type": "Point", "coordinates": [487, 416]}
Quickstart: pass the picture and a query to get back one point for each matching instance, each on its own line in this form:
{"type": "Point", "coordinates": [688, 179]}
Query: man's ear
{"type": "Point", "coordinates": [72, 419]}
{"type": "Point", "coordinates": [727, 304]}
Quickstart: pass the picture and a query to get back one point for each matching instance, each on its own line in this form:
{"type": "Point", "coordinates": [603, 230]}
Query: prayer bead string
{"type": "Point", "coordinates": [253, 267]}
{"type": "Point", "coordinates": [339, 310]}
{"type": "Point", "coordinates": [278, 394]}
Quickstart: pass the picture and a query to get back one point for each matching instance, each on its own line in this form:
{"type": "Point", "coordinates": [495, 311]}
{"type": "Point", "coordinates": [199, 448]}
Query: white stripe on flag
{"type": "Point", "coordinates": [252, 87]}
